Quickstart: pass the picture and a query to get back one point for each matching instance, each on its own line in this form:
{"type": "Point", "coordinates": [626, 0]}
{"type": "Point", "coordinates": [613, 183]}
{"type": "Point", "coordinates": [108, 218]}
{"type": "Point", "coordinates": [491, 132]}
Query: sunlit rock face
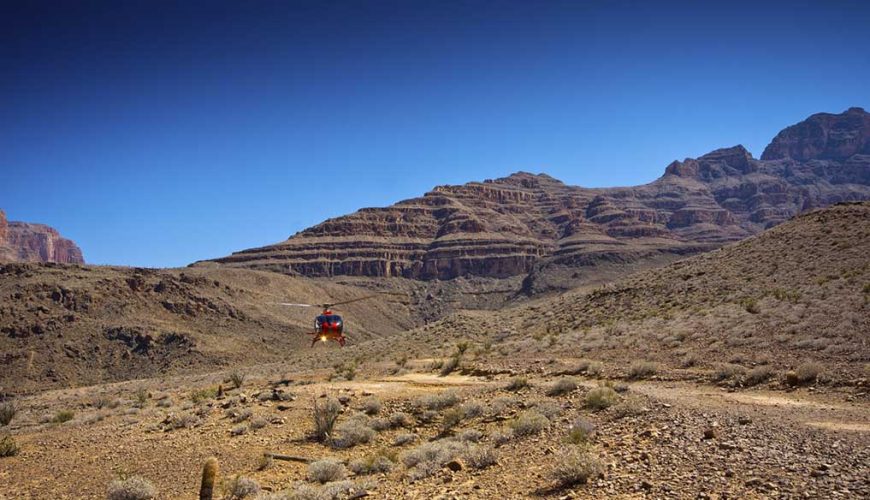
{"type": "Point", "coordinates": [527, 223]}
{"type": "Point", "coordinates": [26, 242]}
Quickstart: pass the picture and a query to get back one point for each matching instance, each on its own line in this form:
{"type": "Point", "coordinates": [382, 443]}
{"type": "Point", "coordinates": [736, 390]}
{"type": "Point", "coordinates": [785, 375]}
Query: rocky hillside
{"type": "Point", "coordinates": [63, 325]}
{"type": "Point", "coordinates": [795, 294]}
{"type": "Point", "coordinates": [26, 242]}
{"type": "Point", "coordinates": [559, 235]}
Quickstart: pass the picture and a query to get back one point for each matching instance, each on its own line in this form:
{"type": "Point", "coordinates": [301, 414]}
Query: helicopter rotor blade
{"type": "Point", "coordinates": [366, 297]}
{"type": "Point", "coordinates": [294, 305]}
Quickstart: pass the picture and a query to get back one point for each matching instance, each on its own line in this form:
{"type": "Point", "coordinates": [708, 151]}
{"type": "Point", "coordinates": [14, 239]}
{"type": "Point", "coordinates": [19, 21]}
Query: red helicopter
{"type": "Point", "coordinates": [328, 326]}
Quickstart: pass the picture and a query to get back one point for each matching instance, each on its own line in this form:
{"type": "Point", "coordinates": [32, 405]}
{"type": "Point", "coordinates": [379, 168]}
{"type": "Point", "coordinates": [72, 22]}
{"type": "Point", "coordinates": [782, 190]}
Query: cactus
{"type": "Point", "coordinates": [209, 473]}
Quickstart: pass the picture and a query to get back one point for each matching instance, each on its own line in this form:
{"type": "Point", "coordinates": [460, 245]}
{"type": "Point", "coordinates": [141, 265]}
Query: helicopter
{"type": "Point", "coordinates": [328, 325]}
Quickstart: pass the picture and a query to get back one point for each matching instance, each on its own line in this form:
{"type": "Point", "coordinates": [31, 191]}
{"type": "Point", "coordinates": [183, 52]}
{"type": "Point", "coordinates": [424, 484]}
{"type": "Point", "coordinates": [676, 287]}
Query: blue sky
{"type": "Point", "coordinates": [157, 133]}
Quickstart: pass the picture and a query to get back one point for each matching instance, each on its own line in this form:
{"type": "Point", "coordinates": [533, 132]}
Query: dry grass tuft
{"type": "Point", "coordinates": [131, 488]}
{"type": "Point", "coordinates": [325, 471]}
{"type": "Point", "coordinates": [325, 414]}
{"type": "Point", "coordinates": [574, 466]}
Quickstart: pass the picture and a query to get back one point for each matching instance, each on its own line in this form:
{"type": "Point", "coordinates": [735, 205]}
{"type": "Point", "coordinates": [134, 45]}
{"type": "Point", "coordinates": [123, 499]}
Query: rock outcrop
{"type": "Point", "coordinates": [532, 224]}
{"type": "Point", "coordinates": [26, 242]}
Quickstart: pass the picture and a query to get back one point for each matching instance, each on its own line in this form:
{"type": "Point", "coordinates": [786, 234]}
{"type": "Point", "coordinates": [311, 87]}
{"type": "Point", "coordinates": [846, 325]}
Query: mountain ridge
{"type": "Point", "coordinates": [553, 233]}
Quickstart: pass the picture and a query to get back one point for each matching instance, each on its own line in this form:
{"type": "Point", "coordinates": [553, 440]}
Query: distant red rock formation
{"type": "Point", "coordinates": [26, 242]}
{"type": "Point", "coordinates": [527, 223]}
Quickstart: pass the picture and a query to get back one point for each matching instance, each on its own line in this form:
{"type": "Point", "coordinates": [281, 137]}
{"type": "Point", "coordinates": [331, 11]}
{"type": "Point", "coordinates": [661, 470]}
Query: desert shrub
{"type": "Point", "coordinates": [549, 409]}
{"type": "Point", "coordinates": [380, 424]}
{"type": "Point", "coordinates": [428, 458]}
{"type": "Point", "coordinates": [63, 416]}
{"type": "Point", "coordinates": [642, 369]}
{"type": "Point", "coordinates": [806, 373]}
{"type": "Point", "coordinates": [562, 386]}
{"type": "Point", "coordinates": [400, 419]}
{"type": "Point", "coordinates": [727, 371]}
{"type": "Point", "coordinates": [470, 436]}
{"type": "Point", "coordinates": [344, 371]}
{"type": "Point", "coordinates": [140, 397]}
{"type": "Point", "coordinates": [240, 487]}
{"type": "Point", "coordinates": [757, 375]}
{"type": "Point", "coordinates": [165, 402]}
{"type": "Point", "coordinates": [480, 457]}
{"type": "Point", "coordinates": [427, 416]}
{"type": "Point", "coordinates": [688, 361]}
{"type": "Point", "coordinates": [472, 409]}
{"type": "Point", "coordinates": [8, 447]}
{"type": "Point", "coordinates": [628, 407]}
{"type": "Point", "coordinates": [529, 422]}
{"type": "Point", "coordinates": [240, 416]}
{"type": "Point", "coordinates": [574, 466]}
{"type": "Point", "coordinates": [325, 414]}
{"type": "Point", "coordinates": [183, 421]}
{"type": "Point", "coordinates": [449, 366]}
{"type": "Point", "coordinates": [325, 471]}
{"type": "Point", "coordinates": [581, 431]}
{"type": "Point", "coordinates": [259, 423]}
{"type": "Point", "coordinates": [438, 401]}
{"type": "Point", "coordinates": [353, 431]}
{"type": "Point", "coordinates": [516, 384]}
{"type": "Point", "coordinates": [586, 366]}
{"type": "Point", "coordinates": [380, 461]}
{"type": "Point", "coordinates": [501, 436]}
{"type": "Point", "coordinates": [404, 438]}
{"type": "Point", "coordinates": [371, 406]}
{"type": "Point", "coordinates": [265, 461]}
{"type": "Point", "coordinates": [7, 413]}
{"type": "Point", "coordinates": [201, 395]}
{"type": "Point", "coordinates": [239, 430]}
{"type": "Point", "coordinates": [340, 489]}
{"type": "Point", "coordinates": [452, 418]}
{"type": "Point", "coordinates": [750, 305]}
{"type": "Point", "coordinates": [131, 488]}
{"type": "Point", "coordinates": [237, 379]}
{"type": "Point", "coordinates": [600, 398]}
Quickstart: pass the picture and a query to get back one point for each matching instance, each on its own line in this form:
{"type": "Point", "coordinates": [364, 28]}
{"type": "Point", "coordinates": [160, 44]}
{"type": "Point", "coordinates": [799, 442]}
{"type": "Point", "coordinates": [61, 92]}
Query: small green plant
{"type": "Point", "coordinates": [580, 431]}
{"type": "Point", "coordinates": [452, 418]}
{"type": "Point", "coordinates": [750, 305]}
{"type": "Point", "coordinates": [600, 398]}
{"type": "Point", "coordinates": [237, 379]}
{"type": "Point", "coordinates": [202, 395]}
{"type": "Point", "coordinates": [63, 416]}
{"type": "Point", "coordinates": [325, 414]}
{"type": "Point", "coordinates": [8, 446]}
{"type": "Point", "coordinates": [528, 423]}
{"type": "Point", "coordinates": [140, 397]}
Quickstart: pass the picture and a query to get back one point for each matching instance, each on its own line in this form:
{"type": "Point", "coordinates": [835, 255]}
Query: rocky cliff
{"type": "Point", "coordinates": [26, 242]}
{"type": "Point", "coordinates": [528, 224]}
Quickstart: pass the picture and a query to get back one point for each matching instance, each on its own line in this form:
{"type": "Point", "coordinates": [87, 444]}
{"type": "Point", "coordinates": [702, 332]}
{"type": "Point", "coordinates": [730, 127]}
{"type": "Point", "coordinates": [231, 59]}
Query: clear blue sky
{"type": "Point", "coordinates": [157, 133]}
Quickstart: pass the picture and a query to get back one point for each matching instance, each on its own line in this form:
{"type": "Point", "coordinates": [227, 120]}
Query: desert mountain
{"type": "Point", "coordinates": [26, 242]}
{"type": "Point", "coordinates": [558, 236]}
{"type": "Point", "coordinates": [794, 294]}
{"type": "Point", "coordinates": [70, 325]}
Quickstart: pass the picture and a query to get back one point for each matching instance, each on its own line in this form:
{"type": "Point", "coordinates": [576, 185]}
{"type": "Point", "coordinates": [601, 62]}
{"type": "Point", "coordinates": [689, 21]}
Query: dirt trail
{"type": "Point", "coordinates": [801, 407]}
